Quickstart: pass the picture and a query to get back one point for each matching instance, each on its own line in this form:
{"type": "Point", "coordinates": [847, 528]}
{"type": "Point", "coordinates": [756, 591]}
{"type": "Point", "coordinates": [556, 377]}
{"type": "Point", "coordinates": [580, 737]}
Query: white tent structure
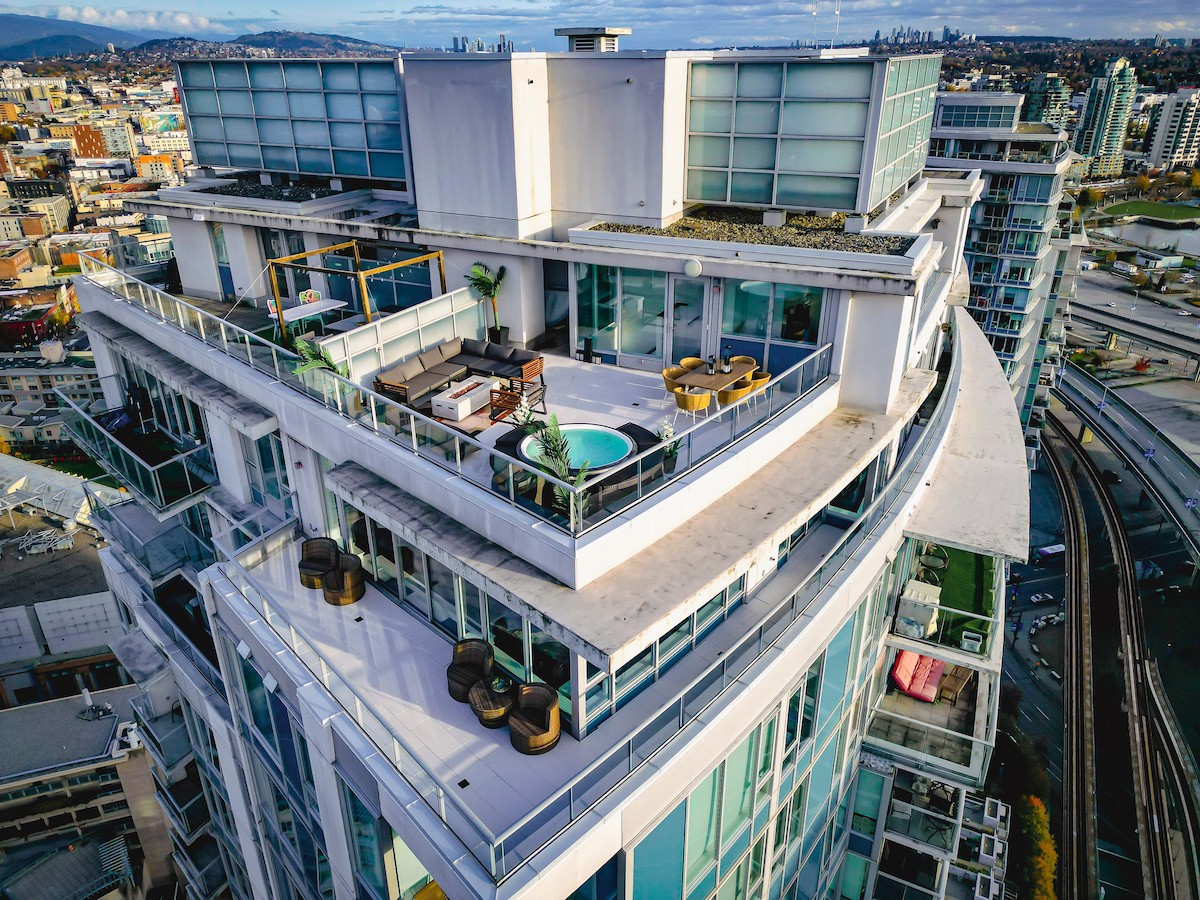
{"type": "Point", "coordinates": [28, 485]}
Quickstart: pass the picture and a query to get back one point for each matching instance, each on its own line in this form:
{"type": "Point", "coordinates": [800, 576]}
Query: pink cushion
{"type": "Point", "coordinates": [917, 675]}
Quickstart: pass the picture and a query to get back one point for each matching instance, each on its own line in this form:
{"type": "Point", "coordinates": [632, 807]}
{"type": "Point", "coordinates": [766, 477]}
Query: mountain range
{"type": "Point", "coordinates": [26, 37]}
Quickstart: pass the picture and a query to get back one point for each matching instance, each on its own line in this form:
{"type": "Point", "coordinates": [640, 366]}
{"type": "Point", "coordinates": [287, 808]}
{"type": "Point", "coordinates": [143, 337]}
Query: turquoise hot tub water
{"type": "Point", "coordinates": [596, 445]}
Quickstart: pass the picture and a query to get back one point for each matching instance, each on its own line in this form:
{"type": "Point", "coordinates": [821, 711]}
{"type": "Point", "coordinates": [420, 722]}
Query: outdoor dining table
{"type": "Point", "coordinates": [302, 311]}
{"type": "Point", "coordinates": [718, 381]}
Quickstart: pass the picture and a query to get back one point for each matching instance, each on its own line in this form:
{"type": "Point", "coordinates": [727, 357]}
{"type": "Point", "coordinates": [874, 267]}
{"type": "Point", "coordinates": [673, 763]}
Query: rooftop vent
{"type": "Point", "coordinates": [592, 40]}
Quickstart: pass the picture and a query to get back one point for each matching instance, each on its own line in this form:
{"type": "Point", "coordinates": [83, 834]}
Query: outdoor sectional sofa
{"type": "Point", "coordinates": [432, 370]}
{"type": "Point", "coordinates": [917, 675]}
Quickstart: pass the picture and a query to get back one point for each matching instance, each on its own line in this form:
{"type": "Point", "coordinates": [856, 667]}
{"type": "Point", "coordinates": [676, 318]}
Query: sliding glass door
{"type": "Point", "coordinates": [687, 337]}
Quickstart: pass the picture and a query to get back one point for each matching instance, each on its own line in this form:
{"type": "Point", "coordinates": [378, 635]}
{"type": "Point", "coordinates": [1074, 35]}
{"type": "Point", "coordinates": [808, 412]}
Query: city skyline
{"type": "Point", "coordinates": [656, 25]}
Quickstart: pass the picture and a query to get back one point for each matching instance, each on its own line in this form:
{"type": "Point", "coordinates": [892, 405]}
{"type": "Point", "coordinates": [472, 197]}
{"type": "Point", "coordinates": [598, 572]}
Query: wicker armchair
{"type": "Point", "coordinates": [318, 557]}
{"type": "Point", "coordinates": [691, 363]}
{"type": "Point", "coordinates": [669, 375]}
{"type": "Point", "coordinates": [344, 584]}
{"type": "Point", "coordinates": [472, 662]}
{"type": "Point", "coordinates": [735, 393]}
{"type": "Point", "coordinates": [533, 725]}
{"type": "Point", "coordinates": [691, 403]}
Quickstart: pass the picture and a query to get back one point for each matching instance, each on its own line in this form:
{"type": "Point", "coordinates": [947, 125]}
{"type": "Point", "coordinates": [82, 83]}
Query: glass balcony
{"type": "Point", "coordinates": [950, 601]}
{"type": "Point", "coordinates": [568, 507]}
{"type": "Point", "coordinates": [925, 810]}
{"type": "Point", "coordinates": [201, 865]}
{"type": "Point", "coordinates": [165, 736]}
{"type": "Point", "coordinates": [183, 804]}
{"type": "Point", "coordinates": [177, 610]}
{"type": "Point", "coordinates": [157, 548]}
{"type": "Point", "coordinates": [155, 465]}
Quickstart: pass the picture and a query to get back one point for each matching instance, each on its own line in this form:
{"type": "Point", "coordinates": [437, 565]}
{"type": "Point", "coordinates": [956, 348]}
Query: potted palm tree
{"type": "Point", "coordinates": [486, 284]}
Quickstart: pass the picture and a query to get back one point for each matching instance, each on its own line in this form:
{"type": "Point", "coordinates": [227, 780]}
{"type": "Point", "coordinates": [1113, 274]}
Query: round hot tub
{"type": "Point", "coordinates": [599, 446]}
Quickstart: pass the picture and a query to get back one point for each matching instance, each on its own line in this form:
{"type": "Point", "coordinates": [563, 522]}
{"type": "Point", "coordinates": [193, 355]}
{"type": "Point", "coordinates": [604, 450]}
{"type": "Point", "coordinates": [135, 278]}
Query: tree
{"type": "Point", "coordinates": [1194, 180]}
{"type": "Point", "coordinates": [1110, 257]}
{"type": "Point", "coordinates": [486, 284]}
{"type": "Point", "coordinates": [1033, 851]}
{"type": "Point", "coordinates": [1139, 279]}
{"type": "Point", "coordinates": [1141, 184]}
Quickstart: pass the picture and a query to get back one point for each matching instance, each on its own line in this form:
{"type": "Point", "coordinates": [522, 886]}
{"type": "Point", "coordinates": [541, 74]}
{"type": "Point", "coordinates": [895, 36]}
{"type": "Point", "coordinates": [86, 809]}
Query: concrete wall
{"type": "Point", "coordinates": [197, 261]}
{"type": "Point", "coordinates": [618, 139]}
{"type": "Point", "coordinates": [870, 358]}
{"type": "Point", "coordinates": [485, 168]}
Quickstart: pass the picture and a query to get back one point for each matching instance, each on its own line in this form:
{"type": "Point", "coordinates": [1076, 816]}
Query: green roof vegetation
{"type": "Point", "coordinates": [967, 582]}
{"type": "Point", "coordinates": [1174, 212]}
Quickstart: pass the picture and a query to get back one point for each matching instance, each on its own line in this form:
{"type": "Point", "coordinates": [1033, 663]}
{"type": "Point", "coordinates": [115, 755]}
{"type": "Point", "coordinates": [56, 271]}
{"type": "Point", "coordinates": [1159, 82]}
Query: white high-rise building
{"type": "Point", "coordinates": [1173, 135]}
{"type": "Point", "coordinates": [760, 652]}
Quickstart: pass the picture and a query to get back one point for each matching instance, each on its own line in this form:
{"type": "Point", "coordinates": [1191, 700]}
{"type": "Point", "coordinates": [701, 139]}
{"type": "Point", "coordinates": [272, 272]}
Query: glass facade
{"type": "Point", "coordinates": [778, 134]}
{"type": "Point", "coordinates": [768, 321]}
{"type": "Point", "coordinates": [962, 116]}
{"type": "Point", "coordinates": [775, 811]}
{"type": "Point", "coordinates": [333, 117]}
{"type": "Point", "coordinates": [905, 124]}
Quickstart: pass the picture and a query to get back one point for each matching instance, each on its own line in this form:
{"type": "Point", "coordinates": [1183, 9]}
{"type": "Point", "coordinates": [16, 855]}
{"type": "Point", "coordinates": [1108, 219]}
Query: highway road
{"type": "Point", "coordinates": [1103, 293]}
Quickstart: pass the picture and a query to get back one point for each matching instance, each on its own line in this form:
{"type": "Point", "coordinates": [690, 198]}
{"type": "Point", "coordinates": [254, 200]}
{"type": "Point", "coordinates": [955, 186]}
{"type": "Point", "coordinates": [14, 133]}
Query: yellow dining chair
{"type": "Point", "coordinates": [758, 381]}
{"type": "Point", "coordinates": [733, 394]}
{"type": "Point", "coordinates": [691, 403]}
{"type": "Point", "coordinates": [691, 363]}
{"type": "Point", "coordinates": [669, 375]}
{"type": "Point", "coordinates": [749, 360]}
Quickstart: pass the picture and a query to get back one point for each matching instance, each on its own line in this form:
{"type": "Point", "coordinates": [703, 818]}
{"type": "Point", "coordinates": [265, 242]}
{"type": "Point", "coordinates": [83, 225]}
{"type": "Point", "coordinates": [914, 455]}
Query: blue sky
{"type": "Point", "coordinates": [655, 23]}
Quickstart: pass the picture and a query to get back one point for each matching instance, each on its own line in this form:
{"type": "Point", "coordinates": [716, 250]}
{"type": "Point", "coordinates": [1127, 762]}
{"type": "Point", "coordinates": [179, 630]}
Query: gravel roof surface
{"type": "Point", "coordinates": [744, 226]}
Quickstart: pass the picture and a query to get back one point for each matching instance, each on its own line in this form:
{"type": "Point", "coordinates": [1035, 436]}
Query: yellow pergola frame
{"type": "Point", "coordinates": [289, 262]}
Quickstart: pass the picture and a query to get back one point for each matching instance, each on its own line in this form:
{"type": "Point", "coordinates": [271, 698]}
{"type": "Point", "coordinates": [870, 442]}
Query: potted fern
{"type": "Point", "coordinates": [486, 284]}
{"type": "Point", "coordinates": [315, 358]}
{"type": "Point", "coordinates": [556, 459]}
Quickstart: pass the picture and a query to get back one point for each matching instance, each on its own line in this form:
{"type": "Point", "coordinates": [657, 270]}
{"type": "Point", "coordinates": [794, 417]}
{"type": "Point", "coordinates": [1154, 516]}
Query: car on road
{"type": "Point", "coordinates": [1042, 598]}
{"type": "Point", "coordinates": [1183, 312]}
{"type": "Point", "coordinates": [1110, 303]}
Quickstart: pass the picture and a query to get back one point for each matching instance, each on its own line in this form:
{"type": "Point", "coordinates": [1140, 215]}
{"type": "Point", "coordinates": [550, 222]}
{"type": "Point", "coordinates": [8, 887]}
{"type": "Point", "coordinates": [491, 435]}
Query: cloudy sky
{"type": "Point", "coordinates": [655, 23]}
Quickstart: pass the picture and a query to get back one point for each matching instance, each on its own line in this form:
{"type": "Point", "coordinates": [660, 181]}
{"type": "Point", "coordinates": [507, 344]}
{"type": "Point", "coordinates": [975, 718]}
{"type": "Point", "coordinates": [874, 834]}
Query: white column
{"type": "Point", "coordinates": [226, 445]}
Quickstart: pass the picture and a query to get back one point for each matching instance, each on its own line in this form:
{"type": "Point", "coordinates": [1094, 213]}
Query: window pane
{"type": "Point", "coordinates": [266, 75]}
{"type": "Point", "coordinates": [260, 707]}
{"type": "Point", "coordinates": [387, 165]}
{"type": "Point", "coordinates": [751, 187]}
{"type": "Point", "coordinates": [303, 76]}
{"type": "Point", "coordinates": [710, 613]}
{"type": "Point", "coordinates": [840, 119]}
{"type": "Point", "coordinates": [508, 637]}
{"type": "Point", "coordinates": [306, 106]}
{"type": "Point", "coordinates": [275, 131]}
{"type": "Point", "coordinates": [757, 118]}
{"type": "Point", "coordinates": [674, 642]}
{"type": "Point", "coordinates": [412, 569]}
{"type": "Point", "coordinates": [339, 76]}
{"type": "Point", "coordinates": [236, 103]}
{"type": "Point", "coordinates": [596, 304]}
{"type": "Point", "coordinates": [753, 153]}
{"type": "Point", "coordinates": [796, 313]}
{"type": "Point", "coordinates": [551, 659]}
{"type": "Point", "coordinates": [821, 156]}
{"type": "Point", "coordinates": [711, 115]}
{"type": "Point", "coordinates": [634, 671]}
{"type": "Point", "coordinates": [744, 311]}
{"type": "Point", "coordinates": [349, 162]}
{"type": "Point", "coordinates": [441, 592]}
{"type": "Point", "coordinates": [473, 611]}
{"type": "Point", "coordinates": [658, 860]}
{"type": "Point", "coordinates": [346, 134]}
{"type": "Point", "coordinates": [702, 826]}
{"type": "Point", "coordinates": [313, 160]}
{"type": "Point", "coordinates": [708, 150]}
{"type": "Point", "coordinates": [364, 842]}
{"type": "Point", "coordinates": [377, 76]}
{"type": "Point", "coordinates": [705, 184]}
{"type": "Point", "coordinates": [343, 106]}
{"type": "Point", "coordinates": [385, 107]}
{"type": "Point", "coordinates": [737, 803]}
{"type": "Point", "coordinates": [712, 80]}
{"type": "Point", "coordinates": [385, 559]}
{"type": "Point", "coordinates": [384, 137]}
{"type": "Point", "coordinates": [202, 102]}
{"type": "Point", "coordinates": [311, 133]}
{"type": "Point", "coordinates": [759, 80]}
{"type": "Point", "coordinates": [643, 302]}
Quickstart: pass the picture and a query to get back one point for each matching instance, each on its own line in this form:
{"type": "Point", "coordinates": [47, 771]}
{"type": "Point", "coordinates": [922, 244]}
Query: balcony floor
{"type": "Point", "coordinates": [397, 665]}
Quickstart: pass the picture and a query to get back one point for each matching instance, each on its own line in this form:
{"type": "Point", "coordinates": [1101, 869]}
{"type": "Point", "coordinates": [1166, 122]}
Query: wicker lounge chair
{"type": "Point", "coordinates": [472, 662]}
{"type": "Point", "coordinates": [344, 584]}
{"type": "Point", "coordinates": [318, 557]}
{"type": "Point", "coordinates": [691, 403]}
{"type": "Point", "coordinates": [533, 725]}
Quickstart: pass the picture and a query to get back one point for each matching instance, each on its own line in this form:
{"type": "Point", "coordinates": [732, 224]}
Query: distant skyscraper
{"type": "Point", "coordinates": [1048, 99]}
{"type": "Point", "coordinates": [1101, 133]}
{"type": "Point", "coordinates": [456, 44]}
{"type": "Point", "coordinates": [1173, 136]}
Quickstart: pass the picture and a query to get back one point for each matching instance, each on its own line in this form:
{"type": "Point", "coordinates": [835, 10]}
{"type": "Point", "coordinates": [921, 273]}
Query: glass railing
{"type": "Point", "coordinates": [504, 853]}
{"type": "Point", "coordinates": [173, 632]}
{"type": "Point", "coordinates": [187, 472]}
{"type": "Point", "coordinates": [571, 508]}
{"type": "Point", "coordinates": [943, 626]}
{"type": "Point", "coordinates": [171, 549]}
{"type": "Point", "coordinates": [165, 736]}
{"type": "Point", "coordinates": [202, 866]}
{"type": "Point", "coordinates": [184, 804]}
{"type": "Point", "coordinates": [927, 828]}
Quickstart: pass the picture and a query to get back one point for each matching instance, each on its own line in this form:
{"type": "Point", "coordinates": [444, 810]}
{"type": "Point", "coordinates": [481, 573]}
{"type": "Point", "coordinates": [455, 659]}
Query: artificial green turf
{"type": "Point", "coordinates": [967, 582]}
{"type": "Point", "coordinates": [1174, 211]}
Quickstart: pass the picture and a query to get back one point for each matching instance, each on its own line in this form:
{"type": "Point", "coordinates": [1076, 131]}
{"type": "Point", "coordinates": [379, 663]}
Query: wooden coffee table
{"type": "Point", "coordinates": [491, 707]}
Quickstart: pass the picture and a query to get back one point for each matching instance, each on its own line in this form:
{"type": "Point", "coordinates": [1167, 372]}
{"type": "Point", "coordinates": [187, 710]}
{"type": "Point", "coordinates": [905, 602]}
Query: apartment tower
{"type": "Point", "coordinates": [736, 640]}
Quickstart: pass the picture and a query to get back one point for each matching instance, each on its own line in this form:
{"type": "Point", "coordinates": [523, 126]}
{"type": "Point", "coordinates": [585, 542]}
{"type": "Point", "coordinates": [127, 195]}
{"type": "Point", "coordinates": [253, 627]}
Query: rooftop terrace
{"type": "Point", "coordinates": [745, 226]}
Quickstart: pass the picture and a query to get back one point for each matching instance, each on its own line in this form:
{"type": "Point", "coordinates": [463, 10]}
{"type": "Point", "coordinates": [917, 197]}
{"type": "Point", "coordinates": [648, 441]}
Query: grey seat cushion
{"type": "Point", "coordinates": [450, 370]}
{"type": "Point", "coordinates": [474, 347]}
